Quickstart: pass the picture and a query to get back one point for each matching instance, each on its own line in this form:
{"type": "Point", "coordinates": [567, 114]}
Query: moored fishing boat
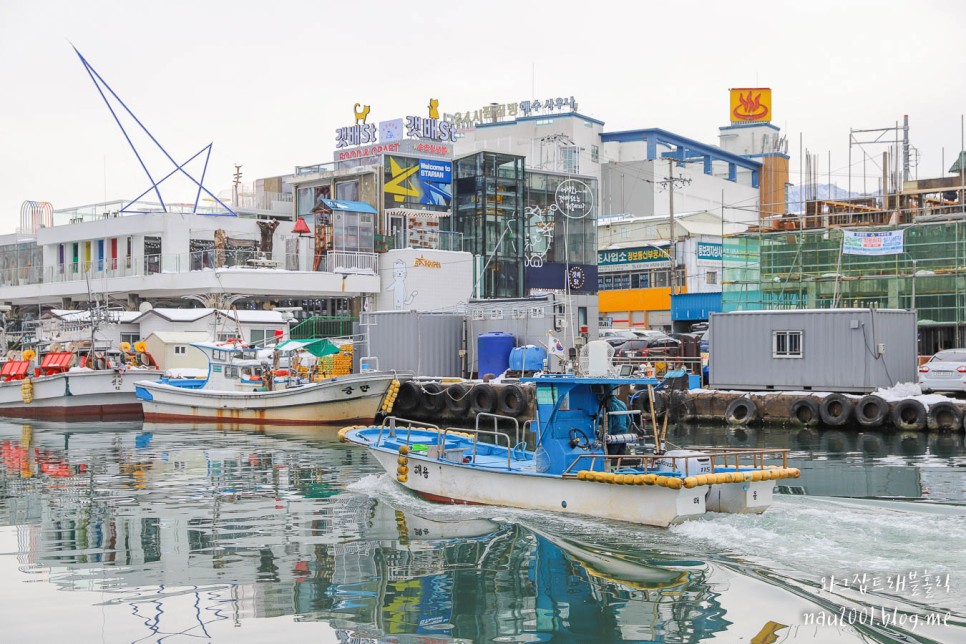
{"type": "Point", "coordinates": [590, 457]}
{"type": "Point", "coordinates": [56, 387]}
{"type": "Point", "coordinates": [247, 384]}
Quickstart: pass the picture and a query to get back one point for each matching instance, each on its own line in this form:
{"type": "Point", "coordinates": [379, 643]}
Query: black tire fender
{"type": "Point", "coordinates": [909, 415]}
{"type": "Point", "coordinates": [836, 410]}
{"type": "Point", "coordinates": [512, 400]}
{"type": "Point", "coordinates": [945, 416]}
{"type": "Point", "coordinates": [482, 399]}
{"type": "Point", "coordinates": [642, 403]}
{"type": "Point", "coordinates": [407, 398]}
{"type": "Point", "coordinates": [681, 407]}
{"type": "Point", "coordinates": [741, 411]}
{"type": "Point", "coordinates": [804, 411]}
{"type": "Point", "coordinates": [432, 399]}
{"type": "Point", "coordinates": [457, 398]}
{"type": "Point", "coordinates": [871, 411]}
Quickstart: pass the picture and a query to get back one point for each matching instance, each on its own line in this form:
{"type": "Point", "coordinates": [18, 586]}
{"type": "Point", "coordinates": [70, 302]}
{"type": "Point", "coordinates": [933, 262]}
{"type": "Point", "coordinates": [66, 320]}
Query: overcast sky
{"type": "Point", "coordinates": [268, 82]}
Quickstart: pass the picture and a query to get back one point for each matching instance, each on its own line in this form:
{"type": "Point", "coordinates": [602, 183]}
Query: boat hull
{"type": "Point", "coordinates": [448, 482]}
{"type": "Point", "coordinates": [76, 395]}
{"type": "Point", "coordinates": [352, 398]}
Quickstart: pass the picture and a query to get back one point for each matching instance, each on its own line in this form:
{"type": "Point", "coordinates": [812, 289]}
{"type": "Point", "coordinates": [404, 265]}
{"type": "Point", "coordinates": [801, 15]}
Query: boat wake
{"type": "Point", "coordinates": [813, 539]}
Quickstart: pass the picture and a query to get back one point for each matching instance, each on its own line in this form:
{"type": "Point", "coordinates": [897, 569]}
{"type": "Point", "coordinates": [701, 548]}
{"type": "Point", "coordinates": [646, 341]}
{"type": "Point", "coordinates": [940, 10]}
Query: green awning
{"type": "Point", "coordinates": [318, 348]}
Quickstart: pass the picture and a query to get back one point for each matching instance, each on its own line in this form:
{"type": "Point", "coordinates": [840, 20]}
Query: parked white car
{"type": "Point", "coordinates": [945, 371]}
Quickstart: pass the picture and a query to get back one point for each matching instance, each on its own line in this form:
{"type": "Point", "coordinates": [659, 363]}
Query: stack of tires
{"type": "Point", "coordinates": [874, 412]}
{"type": "Point", "coordinates": [430, 400]}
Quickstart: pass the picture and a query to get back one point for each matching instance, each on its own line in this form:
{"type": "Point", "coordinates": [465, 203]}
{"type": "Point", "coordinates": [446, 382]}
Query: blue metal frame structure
{"type": "Point", "coordinates": [685, 149]}
{"type": "Point", "coordinates": [101, 84]}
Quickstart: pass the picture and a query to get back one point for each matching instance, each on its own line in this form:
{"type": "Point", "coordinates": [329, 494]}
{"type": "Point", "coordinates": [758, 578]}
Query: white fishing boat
{"type": "Point", "coordinates": [251, 385]}
{"type": "Point", "coordinates": [63, 385]}
{"type": "Point", "coordinates": [590, 457]}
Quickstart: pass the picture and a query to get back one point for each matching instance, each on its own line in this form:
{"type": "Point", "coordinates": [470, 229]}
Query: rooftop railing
{"type": "Point", "coordinates": [150, 264]}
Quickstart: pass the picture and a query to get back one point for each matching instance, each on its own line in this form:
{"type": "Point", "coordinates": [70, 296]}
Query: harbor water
{"type": "Point", "coordinates": [130, 532]}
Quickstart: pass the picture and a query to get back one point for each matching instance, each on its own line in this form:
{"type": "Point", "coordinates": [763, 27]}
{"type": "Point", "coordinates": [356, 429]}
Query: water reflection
{"type": "Point", "coordinates": [184, 530]}
{"type": "Point", "coordinates": [872, 464]}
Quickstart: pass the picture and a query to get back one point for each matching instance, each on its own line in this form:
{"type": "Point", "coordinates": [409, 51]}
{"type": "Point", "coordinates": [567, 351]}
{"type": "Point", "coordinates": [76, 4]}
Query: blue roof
{"type": "Point", "coordinates": [684, 147]}
{"type": "Point", "coordinates": [347, 206]}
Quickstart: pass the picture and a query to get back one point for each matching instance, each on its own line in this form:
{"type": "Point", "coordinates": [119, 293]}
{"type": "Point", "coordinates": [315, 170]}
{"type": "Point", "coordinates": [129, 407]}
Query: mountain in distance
{"type": "Point", "coordinates": [820, 191]}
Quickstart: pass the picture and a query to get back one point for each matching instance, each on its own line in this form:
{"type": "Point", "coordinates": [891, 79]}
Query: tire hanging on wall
{"type": "Point", "coordinates": [512, 400]}
{"type": "Point", "coordinates": [407, 398]}
{"type": "Point", "coordinates": [909, 415]}
{"type": "Point", "coordinates": [680, 406]}
{"type": "Point", "coordinates": [457, 398]}
{"type": "Point", "coordinates": [871, 411]}
{"type": "Point", "coordinates": [741, 411]}
{"type": "Point", "coordinates": [482, 399]}
{"type": "Point", "coordinates": [835, 410]}
{"type": "Point", "coordinates": [804, 411]}
{"type": "Point", "coordinates": [944, 415]}
{"type": "Point", "coordinates": [642, 404]}
{"type": "Point", "coordinates": [432, 399]}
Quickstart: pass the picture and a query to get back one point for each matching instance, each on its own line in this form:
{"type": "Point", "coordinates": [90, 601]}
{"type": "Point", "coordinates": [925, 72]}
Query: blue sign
{"type": "Point", "coordinates": [889, 242]}
{"type": "Point", "coordinates": [711, 252]}
{"type": "Point", "coordinates": [638, 255]}
{"type": "Point", "coordinates": [435, 171]}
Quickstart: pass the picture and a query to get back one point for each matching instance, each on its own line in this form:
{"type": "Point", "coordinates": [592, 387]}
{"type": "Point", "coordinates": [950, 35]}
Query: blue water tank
{"type": "Point", "coordinates": [527, 358]}
{"type": "Point", "coordinates": [494, 350]}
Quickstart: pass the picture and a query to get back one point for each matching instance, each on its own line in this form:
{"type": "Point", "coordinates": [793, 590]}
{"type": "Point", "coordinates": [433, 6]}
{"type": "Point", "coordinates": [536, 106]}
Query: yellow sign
{"type": "Point", "coordinates": [428, 263]}
{"type": "Point", "coordinates": [361, 114]}
{"type": "Point", "coordinates": [750, 105]}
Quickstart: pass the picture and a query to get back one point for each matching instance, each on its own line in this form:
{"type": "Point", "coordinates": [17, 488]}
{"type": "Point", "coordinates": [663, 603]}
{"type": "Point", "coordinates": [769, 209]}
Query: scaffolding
{"type": "Point", "coordinates": [801, 269]}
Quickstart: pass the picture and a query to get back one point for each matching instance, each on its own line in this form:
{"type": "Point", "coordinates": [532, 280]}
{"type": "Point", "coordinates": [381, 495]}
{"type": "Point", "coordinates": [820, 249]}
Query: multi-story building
{"type": "Point", "coordinates": [905, 250]}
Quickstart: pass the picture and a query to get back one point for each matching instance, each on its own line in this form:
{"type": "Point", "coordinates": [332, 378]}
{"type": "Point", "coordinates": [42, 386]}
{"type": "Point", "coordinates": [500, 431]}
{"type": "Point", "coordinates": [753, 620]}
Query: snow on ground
{"type": "Point", "coordinates": [901, 391]}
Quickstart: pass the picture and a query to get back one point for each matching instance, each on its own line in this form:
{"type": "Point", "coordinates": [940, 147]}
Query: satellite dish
{"type": "Point", "coordinates": [144, 307]}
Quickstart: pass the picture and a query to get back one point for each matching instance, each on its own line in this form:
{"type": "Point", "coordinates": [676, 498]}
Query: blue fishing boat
{"type": "Point", "coordinates": [591, 455]}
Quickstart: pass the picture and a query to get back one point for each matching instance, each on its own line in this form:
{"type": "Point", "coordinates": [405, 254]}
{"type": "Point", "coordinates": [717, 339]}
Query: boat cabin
{"type": "Point", "coordinates": [239, 367]}
{"type": "Point", "coordinates": [578, 417]}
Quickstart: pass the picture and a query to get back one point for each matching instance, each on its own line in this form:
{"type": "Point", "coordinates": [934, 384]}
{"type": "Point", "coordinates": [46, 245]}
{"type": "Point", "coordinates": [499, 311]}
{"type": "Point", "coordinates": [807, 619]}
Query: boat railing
{"type": "Point", "coordinates": [389, 422]}
{"type": "Point", "coordinates": [720, 458]}
{"type": "Point", "coordinates": [496, 418]}
{"type": "Point", "coordinates": [476, 440]}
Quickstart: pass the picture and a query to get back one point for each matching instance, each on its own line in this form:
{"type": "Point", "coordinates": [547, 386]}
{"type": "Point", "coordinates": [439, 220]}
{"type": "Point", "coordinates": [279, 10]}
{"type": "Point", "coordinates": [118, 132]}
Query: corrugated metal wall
{"type": "Point", "coordinates": [695, 306]}
{"type": "Point", "coordinates": [425, 343]}
{"type": "Point", "coordinates": [839, 350]}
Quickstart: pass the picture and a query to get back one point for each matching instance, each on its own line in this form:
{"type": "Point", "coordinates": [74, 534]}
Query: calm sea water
{"type": "Point", "coordinates": [163, 533]}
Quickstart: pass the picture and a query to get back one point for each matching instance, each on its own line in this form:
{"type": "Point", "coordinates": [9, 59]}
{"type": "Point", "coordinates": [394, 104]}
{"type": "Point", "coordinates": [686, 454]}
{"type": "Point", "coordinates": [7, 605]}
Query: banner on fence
{"type": "Point", "coordinates": [872, 243]}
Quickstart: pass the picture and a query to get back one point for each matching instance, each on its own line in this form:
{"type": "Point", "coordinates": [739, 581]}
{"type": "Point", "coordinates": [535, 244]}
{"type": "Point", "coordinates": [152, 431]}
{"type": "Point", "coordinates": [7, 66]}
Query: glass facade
{"type": "Point", "coordinates": [489, 207]}
{"type": "Point", "coordinates": [807, 270]}
{"type": "Point", "coordinates": [549, 233]}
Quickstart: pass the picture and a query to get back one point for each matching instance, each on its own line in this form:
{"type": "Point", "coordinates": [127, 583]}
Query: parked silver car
{"type": "Point", "coordinates": [945, 371]}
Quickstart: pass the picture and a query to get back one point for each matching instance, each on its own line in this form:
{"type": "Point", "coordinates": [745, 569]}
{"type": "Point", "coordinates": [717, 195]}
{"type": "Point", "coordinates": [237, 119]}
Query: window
{"type": "Point", "coordinates": [786, 344]}
{"type": "Point", "coordinates": [180, 350]}
{"type": "Point", "coordinates": [130, 338]}
{"type": "Point", "coordinates": [260, 336]}
{"type": "Point", "coordinates": [711, 277]}
{"type": "Point", "coordinates": [594, 154]}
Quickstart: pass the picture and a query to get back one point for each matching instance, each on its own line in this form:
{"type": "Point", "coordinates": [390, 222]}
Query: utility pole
{"type": "Point", "coordinates": [235, 184]}
{"type": "Point", "coordinates": [669, 182]}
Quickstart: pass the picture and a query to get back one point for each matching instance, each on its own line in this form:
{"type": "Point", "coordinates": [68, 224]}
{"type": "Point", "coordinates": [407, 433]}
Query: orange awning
{"type": "Point", "coordinates": [14, 369]}
{"type": "Point", "coordinates": [57, 360]}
